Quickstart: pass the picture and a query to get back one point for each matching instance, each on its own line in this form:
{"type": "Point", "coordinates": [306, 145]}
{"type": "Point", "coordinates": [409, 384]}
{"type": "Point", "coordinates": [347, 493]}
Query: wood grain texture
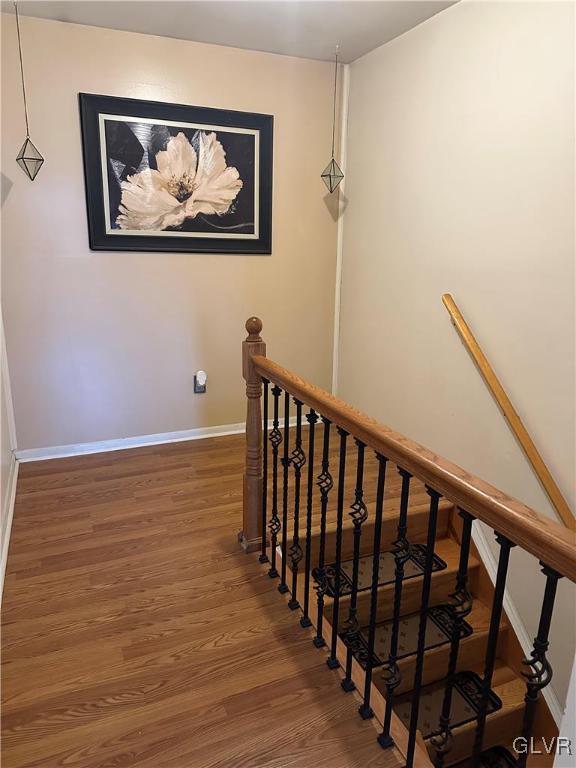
{"type": "Point", "coordinates": [135, 632]}
{"type": "Point", "coordinates": [545, 539]}
{"type": "Point", "coordinates": [250, 534]}
{"type": "Point", "coordinates": [510, 414]}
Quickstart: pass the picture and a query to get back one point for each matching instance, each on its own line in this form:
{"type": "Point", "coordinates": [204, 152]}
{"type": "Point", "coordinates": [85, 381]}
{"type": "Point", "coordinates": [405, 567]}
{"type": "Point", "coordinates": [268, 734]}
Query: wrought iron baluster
{"type": "Point", "coordinates": [263, 556]}
{"type": "Point", "coordinates": [359, 515]}
{"type": "Point", "coordinates": [275, 438]}
{"type": "Point", "coordinates": [391, 671]}
{"type": "Point", "coordinates": [540, 673]}
{"type": "Point", "coordinates": [283, 587]}
{"type": "Point", "coordinates": [365, 709]}
{"type": "Point", "coordinates": [325, 484]}
{"type": "Point", "coordinates": [298, 460]}
{"type": "Point", "coordinates": [426, 585]}
{"type": "Point", "coordinates": [332, 660]}
{"type": "Point", "coordinates": [461, 607]}
{"type": "Point", "coordinates": [311, 418]}
{"type": "Point", "coordinates": [493, 632]}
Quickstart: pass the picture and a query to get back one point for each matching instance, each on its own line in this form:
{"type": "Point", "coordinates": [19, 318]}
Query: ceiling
{"type": "Point", "coordinates": [309, 29]}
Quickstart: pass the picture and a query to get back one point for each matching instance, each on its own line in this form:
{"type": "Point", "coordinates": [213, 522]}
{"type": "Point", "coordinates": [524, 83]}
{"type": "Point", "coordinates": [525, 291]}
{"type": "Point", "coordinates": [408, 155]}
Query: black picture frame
{"type": "Point", "coordinates": [250, 133]}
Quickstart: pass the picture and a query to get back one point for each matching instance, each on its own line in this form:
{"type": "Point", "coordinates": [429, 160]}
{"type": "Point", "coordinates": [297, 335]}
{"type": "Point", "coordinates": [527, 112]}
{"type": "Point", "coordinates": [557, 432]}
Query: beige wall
{"type": "Point", "coordinates": [460, 179]}
{"type": "Point", "coordinates": [104, 345]}
{"type": "Point", "coordinates": [6, 461]}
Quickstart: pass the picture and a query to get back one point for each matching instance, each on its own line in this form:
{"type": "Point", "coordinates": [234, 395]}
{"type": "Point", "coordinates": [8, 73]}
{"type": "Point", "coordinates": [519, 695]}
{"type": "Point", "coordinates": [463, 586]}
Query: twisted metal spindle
{"type": "Point", "coordinates": [540, 673]}
{"type": "Point", "coordinates": [426, 585]}
{"type": "Point", "coordinates": [332, 660]}
{"type": "Point", "coordinates": [275, 438]}
{"type": "Point", "coordinates": [493, 633]}
{"type": "Point", "coordinates": [283, 586]}
{"type": "Point", "coordinates": [298, 460]}
{"type": "Point", "coordinates": [461, 607]}
{"type": "Point", "coordinates": [325, 484]}
{"type": "Point", "coordinates": [263, 556]}
{"type": "Point", "coordinates": [391, 671]}
{"type": "Point", "coordinates": [365, 709]}
{"type": "Point", "coordinates": [359, 515]}
{"type": "Point", "coordinates": [311, 418]}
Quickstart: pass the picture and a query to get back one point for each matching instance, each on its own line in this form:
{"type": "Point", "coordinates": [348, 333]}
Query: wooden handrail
{"type": "Point", "coordinates": [510, 414]}
{"type": "Point", "coordinates": [550, 542]}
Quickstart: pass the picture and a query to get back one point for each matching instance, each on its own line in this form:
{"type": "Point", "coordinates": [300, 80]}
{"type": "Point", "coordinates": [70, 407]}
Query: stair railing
{"type": "Point", "coordinates": [513, 523]}
{"type": "Point", "coordinates": [510, 414]}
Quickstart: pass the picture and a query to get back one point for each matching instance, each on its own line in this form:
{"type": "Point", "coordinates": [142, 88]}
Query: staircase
{"type": "Point", "coordinates": [369, 536]}
{"type": "Point", "coordinates": [506, 708]}
{"type": "Point", "coordinates": [508, 689]}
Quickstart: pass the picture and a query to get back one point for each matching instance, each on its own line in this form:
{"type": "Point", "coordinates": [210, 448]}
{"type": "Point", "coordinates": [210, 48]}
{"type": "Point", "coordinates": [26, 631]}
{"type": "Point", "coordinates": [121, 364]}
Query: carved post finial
{"type": "Point", "coordinates": [253, 326]}
{"type": "Point", "coordinates": [250, 536]}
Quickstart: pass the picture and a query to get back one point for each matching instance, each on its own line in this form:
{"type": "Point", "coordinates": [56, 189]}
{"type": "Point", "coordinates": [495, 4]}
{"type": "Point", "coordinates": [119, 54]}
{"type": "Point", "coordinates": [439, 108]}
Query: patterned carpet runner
{"type": "Point", "coordinates": [438, 632]}
{"type": "Point", "coordinates": [465, 703]}
{"type": "Point", "coordinates": [414, 567]}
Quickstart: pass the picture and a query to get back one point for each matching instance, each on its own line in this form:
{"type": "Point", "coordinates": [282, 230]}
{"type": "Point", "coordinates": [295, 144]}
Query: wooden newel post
{"type": "Point", "coordinates": [250, 535]}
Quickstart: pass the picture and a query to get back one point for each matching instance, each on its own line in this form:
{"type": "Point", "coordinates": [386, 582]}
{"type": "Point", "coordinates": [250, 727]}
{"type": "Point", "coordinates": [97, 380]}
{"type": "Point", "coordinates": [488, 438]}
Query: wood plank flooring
{"type": "Point", "coordinates": [136, 633]}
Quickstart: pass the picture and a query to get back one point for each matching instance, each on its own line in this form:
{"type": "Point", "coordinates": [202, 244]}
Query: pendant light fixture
{"type": "Point", "coordinates": [332, 175]}
{"type": "Point", "coordinates": [29, 159]}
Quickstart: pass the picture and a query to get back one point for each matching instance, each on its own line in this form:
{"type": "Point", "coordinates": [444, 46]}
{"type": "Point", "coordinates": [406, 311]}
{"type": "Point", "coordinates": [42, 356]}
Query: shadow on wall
{"type": "Point", "coordinates": [7, 185]}
{"type": "Point", "coordinates": [336, 203]}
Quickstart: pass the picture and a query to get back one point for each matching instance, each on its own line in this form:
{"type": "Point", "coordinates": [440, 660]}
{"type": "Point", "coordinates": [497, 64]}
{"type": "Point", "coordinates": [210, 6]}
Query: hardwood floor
{"type": "Point", "coordinates": [135, 631]}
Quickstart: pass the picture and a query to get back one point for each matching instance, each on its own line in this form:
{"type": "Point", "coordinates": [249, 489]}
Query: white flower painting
{"type": "Point", "coordinates": [174, 177]}
{"type": "Point", "coordinates": [166, 179]}
{"type": "Point", "coordinates": [185, 184]}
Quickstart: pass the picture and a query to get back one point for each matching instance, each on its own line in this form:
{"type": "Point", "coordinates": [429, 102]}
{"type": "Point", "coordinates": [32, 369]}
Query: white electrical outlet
{"type": "Point", "coordinates": [200, 378]}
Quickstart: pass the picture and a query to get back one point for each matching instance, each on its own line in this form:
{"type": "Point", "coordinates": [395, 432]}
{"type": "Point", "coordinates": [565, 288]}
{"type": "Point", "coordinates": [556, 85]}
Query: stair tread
{"type": "Point", "coordinates": [507, 695]}
{"type": "Point", "coordinates": [438, 633]}
{"type": "Point", "coordinates": [443, 582]}
{"type": "Point", "coordinates": [465, 699]}
{"type": "Point", "coordinates": [391, 509]}
{"type": "Point", "coordinates": [387, 564]}
{"type": "Point", "coordinates": [448, 551]}
{"type": "Point", "coordinates": [510, 689]}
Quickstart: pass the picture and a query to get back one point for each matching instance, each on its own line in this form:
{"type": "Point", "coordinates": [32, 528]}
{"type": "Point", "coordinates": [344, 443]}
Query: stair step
{"type": "Point", "coordinates": [413, 567]}
{"type": "Point", "coordinates": [443, 582]}
{"type": "Point", "coordinates": [465, 703]}
{"type": "Point", "coordinates": [500, 725]}
{"type": "Point", "coordinates": [472, 649]}
{"type": "Point", "coordinates": [418, 515]}
{"type": "Point", "coordinates": [438, 632]}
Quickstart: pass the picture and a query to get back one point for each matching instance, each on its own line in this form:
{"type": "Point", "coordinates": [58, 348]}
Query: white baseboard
{"type": "Point", "coordinates": [123, 443]}
{"type": "Point", "coordinates": [479, 538]}
{"type": "Point", "coordinates": [8, 514]}
{"type": "Point", "coordinates": [140, 441]}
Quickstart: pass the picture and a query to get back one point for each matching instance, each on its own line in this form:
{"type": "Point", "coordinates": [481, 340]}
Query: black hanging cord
{"type": "Point", "coordinates": [334, 107]}
{"type": "Point", "coordinates": [22, 70]}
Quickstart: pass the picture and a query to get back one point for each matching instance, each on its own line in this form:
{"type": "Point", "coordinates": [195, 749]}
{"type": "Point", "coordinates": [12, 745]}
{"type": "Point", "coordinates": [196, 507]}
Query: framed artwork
{"type": "Point", "coordinates": [171, 177]}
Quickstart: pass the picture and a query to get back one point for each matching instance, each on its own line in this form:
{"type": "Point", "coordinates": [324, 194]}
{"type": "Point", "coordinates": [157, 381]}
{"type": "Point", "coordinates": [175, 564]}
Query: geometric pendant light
{"type": "Point", "coordinates": [29, 158]}
{"type": "Point", "coordinates": [332, 175]}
